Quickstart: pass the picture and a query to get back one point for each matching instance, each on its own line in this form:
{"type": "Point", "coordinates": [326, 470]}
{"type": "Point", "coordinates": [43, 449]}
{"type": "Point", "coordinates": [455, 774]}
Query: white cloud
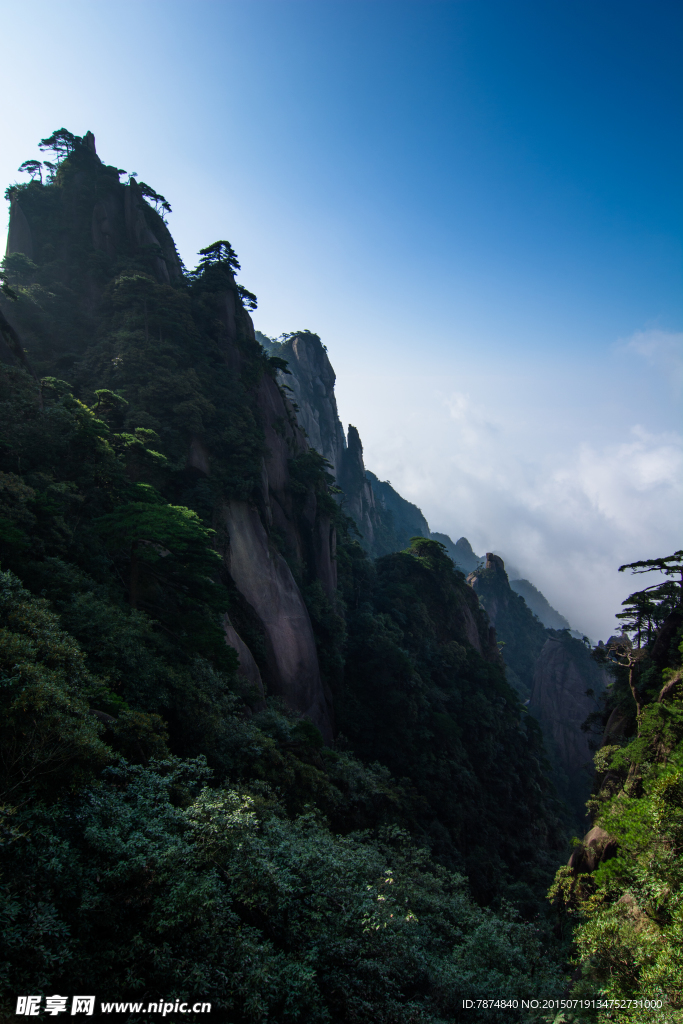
{"type": "Point", "coordinates": [567, 485]}
{"type": "Point", "coordinates": [661, 349]}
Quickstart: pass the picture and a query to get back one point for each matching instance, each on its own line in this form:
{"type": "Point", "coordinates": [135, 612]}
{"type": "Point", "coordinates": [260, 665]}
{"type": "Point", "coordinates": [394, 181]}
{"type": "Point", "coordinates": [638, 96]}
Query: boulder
{"type": "Point", "coordinates": [596, 847]}
{"type": "Point", "coordinates": [616, 727]}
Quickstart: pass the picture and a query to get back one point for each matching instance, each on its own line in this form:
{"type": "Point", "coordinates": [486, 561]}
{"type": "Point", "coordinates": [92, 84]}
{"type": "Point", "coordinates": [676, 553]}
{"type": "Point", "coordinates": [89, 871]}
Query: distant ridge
{"type": "Point", "coordinates": [539, 605]}
{"type": "Point", "coordinates": [387, 521]}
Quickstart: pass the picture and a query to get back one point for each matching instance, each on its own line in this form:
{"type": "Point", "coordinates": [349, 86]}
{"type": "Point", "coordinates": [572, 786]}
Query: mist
{"type": "Point", "coordinates": [566, 469]}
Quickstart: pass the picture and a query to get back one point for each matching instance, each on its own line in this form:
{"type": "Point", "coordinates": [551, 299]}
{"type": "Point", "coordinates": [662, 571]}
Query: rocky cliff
{"type": "Point", "coordinates": [385, 519]}
{"type": "Point", "coordinates": [248, 425]}
{"type": "Point", "coordinates": [520, 632]}
{"type": "Point", "coordinates": [558, 674]}
{"type": "Point", "coordinates": [554, 674]}
{"type": "Point", "coordinates": [102, 265]}
{"type": "Point", "coordinates": [311, 379]}
{"type": "Point", "coordinates": [162, 501]}
{"type": "Point", "coordinates": [567, 688]}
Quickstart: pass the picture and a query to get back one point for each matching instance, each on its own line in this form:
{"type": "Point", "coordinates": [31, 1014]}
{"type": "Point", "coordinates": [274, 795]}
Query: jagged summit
{"type": "Point", "coordinates": [386, 520]}
{"type": "Point", "coordinates": [109, 216]}
{"type": "Point", "coordinates": [311, 382]}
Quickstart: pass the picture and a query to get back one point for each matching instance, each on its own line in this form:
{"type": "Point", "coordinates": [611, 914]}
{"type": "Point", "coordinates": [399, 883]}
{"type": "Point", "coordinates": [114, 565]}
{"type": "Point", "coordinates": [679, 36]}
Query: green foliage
{"type": "Point", "coordinates": [170, 540]}
{"type": "Point", "coordinates": [107, 399]}
{"type": "Point", "coordinates": [629, 936]}
{"type": "Point", "coordinates": [248, 298]}
{"type": "Point", "coordinates": [218, 253]}
{"type": "Point", "coordinates": [47, 739]}
{"type": "Point", "coordinates": [17, 267]}
{"type": "Point", "coordinates": [32, 167]}
{"type": "Point", "coordinates": [276, 363]}
{"type": "Point", "coordinates": [417, 697]}
{"type": "Point", "coordinates": [163, 830]}
{"type": "Point", "coordinates": [160, 203]}
{"type": "Point", "coordinates": [62, 143]}
{"type": "Point", "coordinates": [135, 890]}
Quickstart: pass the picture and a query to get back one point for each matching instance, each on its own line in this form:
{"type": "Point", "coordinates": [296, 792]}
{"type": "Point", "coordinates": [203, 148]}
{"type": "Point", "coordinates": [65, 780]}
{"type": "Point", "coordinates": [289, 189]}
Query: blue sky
{"type": "Point", "coordinates": [476, 204]}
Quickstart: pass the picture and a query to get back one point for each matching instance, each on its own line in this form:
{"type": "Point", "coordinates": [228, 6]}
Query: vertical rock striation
{"type": "Point", "coordinates": [264, 579]}
{"type": "Point", "coordinates": [311, 380]}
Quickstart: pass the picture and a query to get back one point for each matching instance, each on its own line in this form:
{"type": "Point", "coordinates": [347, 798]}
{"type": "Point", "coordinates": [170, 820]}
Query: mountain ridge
{"type": "Point", "coordinates": [386, 519]}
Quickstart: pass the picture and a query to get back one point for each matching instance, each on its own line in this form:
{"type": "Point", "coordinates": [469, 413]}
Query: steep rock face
{"type": "Point", "coordinates": [266, 582]}
{"type": "Point", "coordinates": [259, 571]}
{"type": "Point", "coordinates": [248, 669]}
{"type": "Point", "coordinates": [308, 536]}
{"type": "Point", "coordinates": [463, 555]}
{"type": "Point", "coordinates": [522, 634]}
{"type": "Point", "coordinates": [403, 520]}
{"type": "Point", "coordinates": [311, 380]}
{"type": "Point", "coordinates": [386, 520]}
{"type": "Point", "coordinates": [98, 225]}
{"type": "Point", "coordinates": [115, 216]}
{"type": "Point", "coordinates": [359, 498]}
{"type": "Point", "coordinates": [564, 672]}
{"type": "Point", "coordinates": [19, 236]}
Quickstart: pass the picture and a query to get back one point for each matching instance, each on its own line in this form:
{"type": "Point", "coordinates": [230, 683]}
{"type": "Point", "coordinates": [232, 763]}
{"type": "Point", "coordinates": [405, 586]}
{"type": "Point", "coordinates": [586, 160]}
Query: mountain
{"type": "Point", "coordinates": [310, 379]}
{"type": "Point", "coordinates": [555, 675]}
{"type": "Point", "coordinates": [462, 554]}
{"type": "Point", "coordinates": [548, 672]}
{"type": "Point", "coordinates": [568, 687]}
{"type": "Point", "coordinates": [386, 520]}
{"type": "Point", "coordinates": [242, 753]}
{"type": "Point", "coordinates": [517, 628]}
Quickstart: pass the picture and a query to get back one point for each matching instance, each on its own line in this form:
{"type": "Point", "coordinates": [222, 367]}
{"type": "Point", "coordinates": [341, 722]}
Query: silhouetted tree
{"type": "Point", "coordinates": [34, 168]}
{"type": "Point", "coordinates": [248, 298]}
{"type": "Point", "coordinates": [671, 565]}
{"type": "Point", "coordinates": [160, 203]}
{"type": "Point", "coordinates": [219, 252]}
{"type": "Point", "coordinates": [62, 143]}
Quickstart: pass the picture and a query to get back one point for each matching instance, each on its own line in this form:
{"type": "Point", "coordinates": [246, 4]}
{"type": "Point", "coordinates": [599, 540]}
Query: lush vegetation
{"type": "Point", "coordinates": [165, 832]}
{"type": "Point", "coordinates": [416, 696]}
{"type": "Point", "coordinates": [627, 913]}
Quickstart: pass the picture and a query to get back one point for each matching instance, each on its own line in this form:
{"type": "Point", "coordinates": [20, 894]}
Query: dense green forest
{"type": "Point", "coordinates": [622, 893]}
{"type": "Point", "coordinates": [171, 831]}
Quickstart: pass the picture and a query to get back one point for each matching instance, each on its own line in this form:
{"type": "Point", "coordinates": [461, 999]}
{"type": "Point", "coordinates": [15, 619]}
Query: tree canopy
{"type": "Point", "coordinates": [62, 143]}
{"type": "Point", "coordinates": [218, 253]}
